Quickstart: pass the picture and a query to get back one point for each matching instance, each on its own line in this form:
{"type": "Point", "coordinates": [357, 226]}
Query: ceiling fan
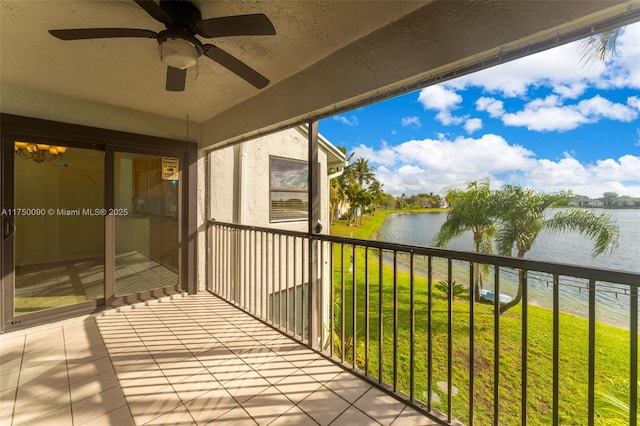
{"type": "Point", "coordinates": [179, 47]}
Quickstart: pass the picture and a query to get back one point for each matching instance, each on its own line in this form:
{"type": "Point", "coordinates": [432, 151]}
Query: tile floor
{"type": "Point", "coordinates": [56, 284]}
{"type": "Point", "coordinates": [189, 360]}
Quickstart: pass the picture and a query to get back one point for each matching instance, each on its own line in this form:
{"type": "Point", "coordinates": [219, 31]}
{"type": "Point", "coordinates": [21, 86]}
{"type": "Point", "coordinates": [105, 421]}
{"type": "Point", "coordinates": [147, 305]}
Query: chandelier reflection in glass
{"type": "Point", "coordinates": [39, 152]}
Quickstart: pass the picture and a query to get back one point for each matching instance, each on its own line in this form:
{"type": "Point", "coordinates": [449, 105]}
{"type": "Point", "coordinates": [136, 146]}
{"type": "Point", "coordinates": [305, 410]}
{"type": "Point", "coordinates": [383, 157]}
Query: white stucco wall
{"type": "Point", "coordinates": [247, 202]}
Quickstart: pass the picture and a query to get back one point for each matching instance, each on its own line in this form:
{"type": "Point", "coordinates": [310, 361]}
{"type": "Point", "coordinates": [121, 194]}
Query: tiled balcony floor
{"type": "Point", "coordinates": [185, 361]}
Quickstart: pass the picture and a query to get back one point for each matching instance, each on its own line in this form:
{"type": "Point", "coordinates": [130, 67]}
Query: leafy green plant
{"type": "Point", "coordinates": [458, 290]}
{"type": "Point", "coordinates": [612, 401]}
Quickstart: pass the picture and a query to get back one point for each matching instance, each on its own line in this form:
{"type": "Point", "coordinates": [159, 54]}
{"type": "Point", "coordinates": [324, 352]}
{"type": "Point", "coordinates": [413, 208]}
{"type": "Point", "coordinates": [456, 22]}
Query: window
{"type": "Point", "coordinates": [289, 189]}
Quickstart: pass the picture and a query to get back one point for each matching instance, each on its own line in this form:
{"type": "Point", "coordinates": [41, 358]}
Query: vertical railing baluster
{"type": "Point", "coordinates": [264, 276]}
{"type": "Point", "coordinates": [449, 337]}
{"type": "Point", "coordinates": [322, 246]}
{"type": "Point", "coordinates": [226, 266]}
{"type": "Point", "coordinates": [429, 330]}
{"type": "Point", "coordinates": [303, 316]}
{"type": "Point", "coordinates": [287, 282]}
{"type": "Point", "coordinates": [254, 293]}
{"type": "Point", "coordinates": [295, 281]}
{"type": "Point", "coordinates": [273, 279]}
{"type": "Point", "coordinates": [229, 268]}
{"type": "Point", "coordinates": [342, 304]}
{"type": "Point", "coordinates": [242, 300]}
{"type": "Point", "coordinates": [395, 321]}
{"type": "Point", "coordinates": [380, 314]}
{"type": "Point", "coordinates": [556, 350]}
{"type": "Point", "coordinates": [524, 280]}
{"type": "Point", "coordinates": [215, 260]}
{"type": "Point", "coordinates": [592, 352]}
{"type": "Point", "coordinates": [412, 328]}
{"type": "Point", "coordinates": [332, 299]}
{"type": "Point", "coordinates": [354, 310]}
{"type": "Point", "coordinates": [472, 302]}
{"type": "Point", "coordinates": [280, 280]}
{"type": "Point", "coordinates": [223, 263]}
{"type": "Point", "coordinates": [366, 310]}
{"type": "Point", "coordinates": [496, 346]}
{"type": "Point", "coordinates": [633, 341]}
{"type": "Point", "coordinates": [252, 259]}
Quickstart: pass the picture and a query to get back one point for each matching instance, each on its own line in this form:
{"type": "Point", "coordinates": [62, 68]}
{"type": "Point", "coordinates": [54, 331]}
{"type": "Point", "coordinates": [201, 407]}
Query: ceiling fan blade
{"type": "Point", "coordinates": [176, 78]}
{"type": "Point", "coordinates": [90, 33]}
{"type": "Point", "coordinates": [234, 65]}
{"type": "Point", "coordinates": [240, 25]}
{"type": "Point", "coordinates": [156, 12]}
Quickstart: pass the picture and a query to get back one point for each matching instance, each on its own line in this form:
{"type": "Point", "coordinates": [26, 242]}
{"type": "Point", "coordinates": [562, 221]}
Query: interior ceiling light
{"type": "Point", "coordinates": [179, 53]}
{"type": "Point", "coordinates": [38, 152]}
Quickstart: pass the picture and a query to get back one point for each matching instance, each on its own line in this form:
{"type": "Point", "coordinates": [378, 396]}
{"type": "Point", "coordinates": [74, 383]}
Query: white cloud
{"type": "Point", "coordinates": [439, 98]}
{"type": "Point", "coordinates": [622, 70]}
{"type": "Point", "coordinates": [549, 114]}
{"type": "Point", "coordinates": [570, 90]}
{"type": "Point", "coordinates": [447, 119]}
{"type": "Point", "coordinates": [436, 165]}
{"type": "Point", "coordinates": [562, 69]}
{"type": "Point", "coordinates": [385, 155]}
{"type": "Point", "coordinates": [634, 102]}
{"type": "Point", "coordinates": [621, 176]}
{"type": "Point", "coordinates": [410, 121]}
{"type": "Point", "coordinates": [493, 106]}
{"type": "Point", "coordinates": [472, 125]}
{"type": "Point", "coordinates": [350, 121]}
{"type": "Point", "coordinates": [442, 99]}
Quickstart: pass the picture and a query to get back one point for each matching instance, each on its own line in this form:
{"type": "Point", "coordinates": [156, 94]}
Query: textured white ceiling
{"type": "Point", "coordinates": [128, 72]}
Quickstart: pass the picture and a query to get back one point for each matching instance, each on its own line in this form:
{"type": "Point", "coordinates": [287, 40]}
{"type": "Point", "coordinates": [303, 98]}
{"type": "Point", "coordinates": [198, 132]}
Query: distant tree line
{"type": "Point", "coordinates": [357, 191]}
{"type": "Point", "coordinates": [608, 200]}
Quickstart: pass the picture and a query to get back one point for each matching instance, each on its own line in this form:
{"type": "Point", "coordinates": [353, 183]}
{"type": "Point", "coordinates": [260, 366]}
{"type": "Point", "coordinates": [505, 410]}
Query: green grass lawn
{"type": "Point", "coordinates": [612, 350]}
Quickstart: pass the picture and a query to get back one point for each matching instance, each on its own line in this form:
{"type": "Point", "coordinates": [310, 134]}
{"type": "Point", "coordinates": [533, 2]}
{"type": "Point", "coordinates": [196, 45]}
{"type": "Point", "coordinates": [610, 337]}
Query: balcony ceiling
{"type": "Point", "coordinates": [325, 55]}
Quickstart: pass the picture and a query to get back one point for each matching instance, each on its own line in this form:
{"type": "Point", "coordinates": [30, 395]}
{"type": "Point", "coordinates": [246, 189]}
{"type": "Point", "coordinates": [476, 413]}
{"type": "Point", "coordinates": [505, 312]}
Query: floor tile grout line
{"type": "Point", "coordinates": [113, 368]}
{"type": "Point", "coordinates": [15, 395]}
{"type": "Point", "coordinates": [241, 358]}
{"type": "Point", "coordinates": [124, 316]}
{"type": "Point", "coordinates": [66, 366]}
{"type": "Point", "coordinates": [167, 326]}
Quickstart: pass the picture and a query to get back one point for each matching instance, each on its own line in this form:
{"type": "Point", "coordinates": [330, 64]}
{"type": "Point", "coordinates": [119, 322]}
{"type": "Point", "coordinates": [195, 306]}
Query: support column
{"type": "Point", "coordinates": [315, 290]}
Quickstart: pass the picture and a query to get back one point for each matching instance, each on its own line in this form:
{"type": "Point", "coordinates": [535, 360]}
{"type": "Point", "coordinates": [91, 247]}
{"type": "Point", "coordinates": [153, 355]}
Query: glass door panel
{"type": "Point", "coordinates": [146, 225]}
{"type": "Point", "coordinates": [59, 228]}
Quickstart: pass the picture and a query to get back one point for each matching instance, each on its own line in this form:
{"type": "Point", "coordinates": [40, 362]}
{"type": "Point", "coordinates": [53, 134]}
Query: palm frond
{"type": "Point", "coordinates": [602, 229]}
{"type": "Point", "coordinates": [599, 47]}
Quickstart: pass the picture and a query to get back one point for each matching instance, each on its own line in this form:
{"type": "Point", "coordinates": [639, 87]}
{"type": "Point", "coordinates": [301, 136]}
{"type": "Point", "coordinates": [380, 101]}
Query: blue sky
{"type": "Point", "coordinates": [548, 121]}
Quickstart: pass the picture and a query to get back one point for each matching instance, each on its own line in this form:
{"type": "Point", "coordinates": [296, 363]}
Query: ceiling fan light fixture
{"type": "Point", "coordinates": [179, 53]}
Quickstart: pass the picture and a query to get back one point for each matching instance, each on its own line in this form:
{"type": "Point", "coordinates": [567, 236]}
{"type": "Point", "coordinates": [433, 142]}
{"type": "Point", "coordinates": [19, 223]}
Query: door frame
{"type": "Point", "coordinates": [57, 133]}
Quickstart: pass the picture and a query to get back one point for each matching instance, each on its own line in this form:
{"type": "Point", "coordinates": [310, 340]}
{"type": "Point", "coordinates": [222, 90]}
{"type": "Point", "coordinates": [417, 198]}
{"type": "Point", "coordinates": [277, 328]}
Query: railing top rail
{"type": "Point", "coordinates": [597, 274]}
{"type": "Point", "coordinates": [212, 222]}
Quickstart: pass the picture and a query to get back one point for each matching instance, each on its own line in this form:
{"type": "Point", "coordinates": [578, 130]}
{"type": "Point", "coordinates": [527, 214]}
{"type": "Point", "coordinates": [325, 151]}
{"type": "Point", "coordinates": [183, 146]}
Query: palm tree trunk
{"type": "Point", "coordinates": [521, 279]}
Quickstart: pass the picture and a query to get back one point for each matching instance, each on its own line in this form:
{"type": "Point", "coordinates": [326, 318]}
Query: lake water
{"type": "Point", "coordinates": [572, 248]}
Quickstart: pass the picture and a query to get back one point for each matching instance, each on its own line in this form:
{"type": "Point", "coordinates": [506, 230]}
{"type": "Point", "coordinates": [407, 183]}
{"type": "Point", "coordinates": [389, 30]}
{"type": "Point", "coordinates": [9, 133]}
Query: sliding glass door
{"type": "Point", "coordinates": [58, 228]}
{"type": "Point", "coordinates": [91, 218]}
{"type": "Point", "coordinates": [146, 223]}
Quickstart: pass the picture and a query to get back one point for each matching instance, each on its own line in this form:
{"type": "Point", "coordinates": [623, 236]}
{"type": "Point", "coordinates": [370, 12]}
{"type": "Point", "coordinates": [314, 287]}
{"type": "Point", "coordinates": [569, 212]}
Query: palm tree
{"type": "Point", "coordinates": [377, 194]}
{"type": "Point", "coordinates": [471, 210]}
{"type": "Point", "coordinates": [362, 172]}
{"type": "Point", "coordinates": [521, 214]}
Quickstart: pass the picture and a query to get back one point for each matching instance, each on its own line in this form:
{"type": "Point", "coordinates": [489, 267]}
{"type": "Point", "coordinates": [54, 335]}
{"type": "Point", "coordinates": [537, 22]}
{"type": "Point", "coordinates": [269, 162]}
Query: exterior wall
{"type": "Point", "coordinates": [239, 191]}
{"type": "Point", "coordinates": [239, 183]}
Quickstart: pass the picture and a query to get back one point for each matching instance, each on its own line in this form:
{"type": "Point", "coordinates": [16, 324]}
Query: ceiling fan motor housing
{"type": "Point", "coordinates": [185, 15]}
